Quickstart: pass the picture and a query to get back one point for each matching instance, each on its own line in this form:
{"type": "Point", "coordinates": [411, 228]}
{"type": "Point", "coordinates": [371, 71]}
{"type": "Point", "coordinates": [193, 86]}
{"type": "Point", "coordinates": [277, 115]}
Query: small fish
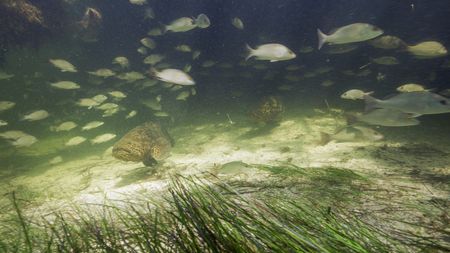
{"type": "Point", "coordinates": [63, 65]}
{"type": "Point", "coordinates": [355, 94]}
{"type": "Point", "coordinates": [131, 76]}
{"type": "Point", "coordinates": [386, 117]}
{"type": "Point", "coordinates": [110, 112]}
{"type": "Point", "coordinates": [237, 22]}
{"type": "Point", "coordinates": [411, 87]}
{"type": "Point", "coordinates": [102, 73]}
{"type": "Point", "coordinates": [122, 61]}
{"type": "Point", "coordinates": [24, 141]}
{"type": "Point", "coordinates": [183, 95]}
{"type": "Point", "coordinates": [77, 140]}
{"type": "Point", "coordinates": [175, 76]}
{"type": "Point", "coordinates": [87, 102]}
{"type": "Point", "coordinates": [183, 48]}
{"type": "Point", "coordinates": [12, 134]}
{"type": "Point", "coordinates": [202, 21]}
{"type": "Point", "coordinates": [5, 76]}
{"type": "Point", "coordinates": [163, 65]}
{"type": "Point", "coordinates": [324, 69]}
{"type": "Point", "coordinates": [232, 168]}
{"type": "Point", "coordinates": [386, 60]}
{"type": "Point", "coordinates": [155, 32]}
{"type": "Point", "coordinates": [138, 2]}
{"type": "Point", "coordinates": [3, 123]}
{"type": "Point", "coordinates": [148, 43]}
{"type": "Point", "coordinates": [142, 50]}
{"type": "Point", "coordinates": [351, 134]}
{"type": "Point", "coordinates": [176, 87]}
{"type": "Point", "coordinates": [107, 106]}
{"type": "Point", "coordinates": [350, 33]}
{"type": "Point", "coordinates": [271, 52]}
{"type": "Point", "coordinates": [285, 87]}
{"type": "Point", "coordinates": [427, 50]}
{"type": "Point", "coordinates": [103, 138]}
{"type": "Point", "coordinates": [149, 13]}
{"type": "Point", "coordinates": [306, 49]}
{"type": "Point", "coordinates": [183, 24]}
{"type": "Point", "coordinates": [161, 114]}
{"type": "Point", "coordinates": [6, 105]}
{"type": "Point", "coordinates": [153, 59]}
{"type": "Point", "coordinates": [293, 78]}
{"type": "Point", "coordinates": [65, 85]}
{"type": "Point", "coordinates": [187, 68]}
{"type": "Point", "coordinates": [341, 48]}
{"type": "Point", "coordinates": [55, 160]}
{"type": "Point", "coordinates": [364, 72]}
{"type": "Point", "coordinates": [327, 83]}
{"type": "Point", "coordinates": [387, 42]}
{"type": "Point", "coordinates": [153, 104]}
{"type": "Point", "coordinates": [196, 54]}
{"type": "Point", "coordinates": [117, 94]}
{"type": "Point", "coordinates": [416, 103]}
{"type": "Point", "coordinates": [131, 114]}
{"type": "Point", "coordinates": [65, 126]}
{"type": "Point", "coordinates": [92, 125]}
{"type": "Point", "coordinates": [100, 98]}
{"type": "Point", "coordinates": [36, 115]}
{"type": "Point", "coordinates": [149, 83]}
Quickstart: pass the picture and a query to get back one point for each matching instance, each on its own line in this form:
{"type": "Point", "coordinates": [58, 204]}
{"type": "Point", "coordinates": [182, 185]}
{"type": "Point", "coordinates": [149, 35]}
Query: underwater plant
{"type": "Point", "coordinates": [196, 216]}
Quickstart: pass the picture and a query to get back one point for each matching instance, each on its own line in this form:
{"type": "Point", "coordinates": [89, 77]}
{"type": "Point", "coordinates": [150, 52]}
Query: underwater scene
{"type": "Point", "coordinates": [224, 126]}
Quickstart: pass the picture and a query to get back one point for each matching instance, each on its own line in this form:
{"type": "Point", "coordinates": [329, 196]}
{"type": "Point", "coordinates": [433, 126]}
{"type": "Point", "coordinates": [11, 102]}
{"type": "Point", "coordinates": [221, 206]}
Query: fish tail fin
{"type": "Point", "coordinates": [371, 103]}
{"type": "Point", "coordinates": [324, 139]}
{"type": "Point", "coordinates": [322, 38]}
{"type": "Point", "coordinates": [152, 71]}
{"type": "Point", "coordinates": [403, 46]}
{"type": "Point", "coordinates": [163, 27]}
{"type": "Point", "coordinates": [249, 52]}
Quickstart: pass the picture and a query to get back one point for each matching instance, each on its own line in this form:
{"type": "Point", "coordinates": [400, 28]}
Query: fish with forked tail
{"type": "Point", "coordinates": [417, 103]}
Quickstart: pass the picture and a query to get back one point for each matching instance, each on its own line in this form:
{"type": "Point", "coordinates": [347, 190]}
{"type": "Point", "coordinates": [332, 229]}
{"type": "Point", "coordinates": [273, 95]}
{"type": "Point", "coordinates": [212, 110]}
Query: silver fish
{"type": "Point", "coordinates": [387, 117]}
{"type": "Point", "coordinates": [417, 103]}
{"type": "Point", "coordinates": [350, 33]}
{"type": "Point", "coordinates": [351, 134]}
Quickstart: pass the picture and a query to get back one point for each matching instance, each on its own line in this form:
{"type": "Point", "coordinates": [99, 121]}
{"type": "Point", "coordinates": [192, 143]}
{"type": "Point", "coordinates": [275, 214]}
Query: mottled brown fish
{"type": "Point", "coordinates": [147, 143]}
{"type": "Point", "coordinates": [268, 110]}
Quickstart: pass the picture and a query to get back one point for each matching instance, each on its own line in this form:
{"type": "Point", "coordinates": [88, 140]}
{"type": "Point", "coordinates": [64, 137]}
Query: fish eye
{"type": "Point", "coordinates": [443, 102]}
